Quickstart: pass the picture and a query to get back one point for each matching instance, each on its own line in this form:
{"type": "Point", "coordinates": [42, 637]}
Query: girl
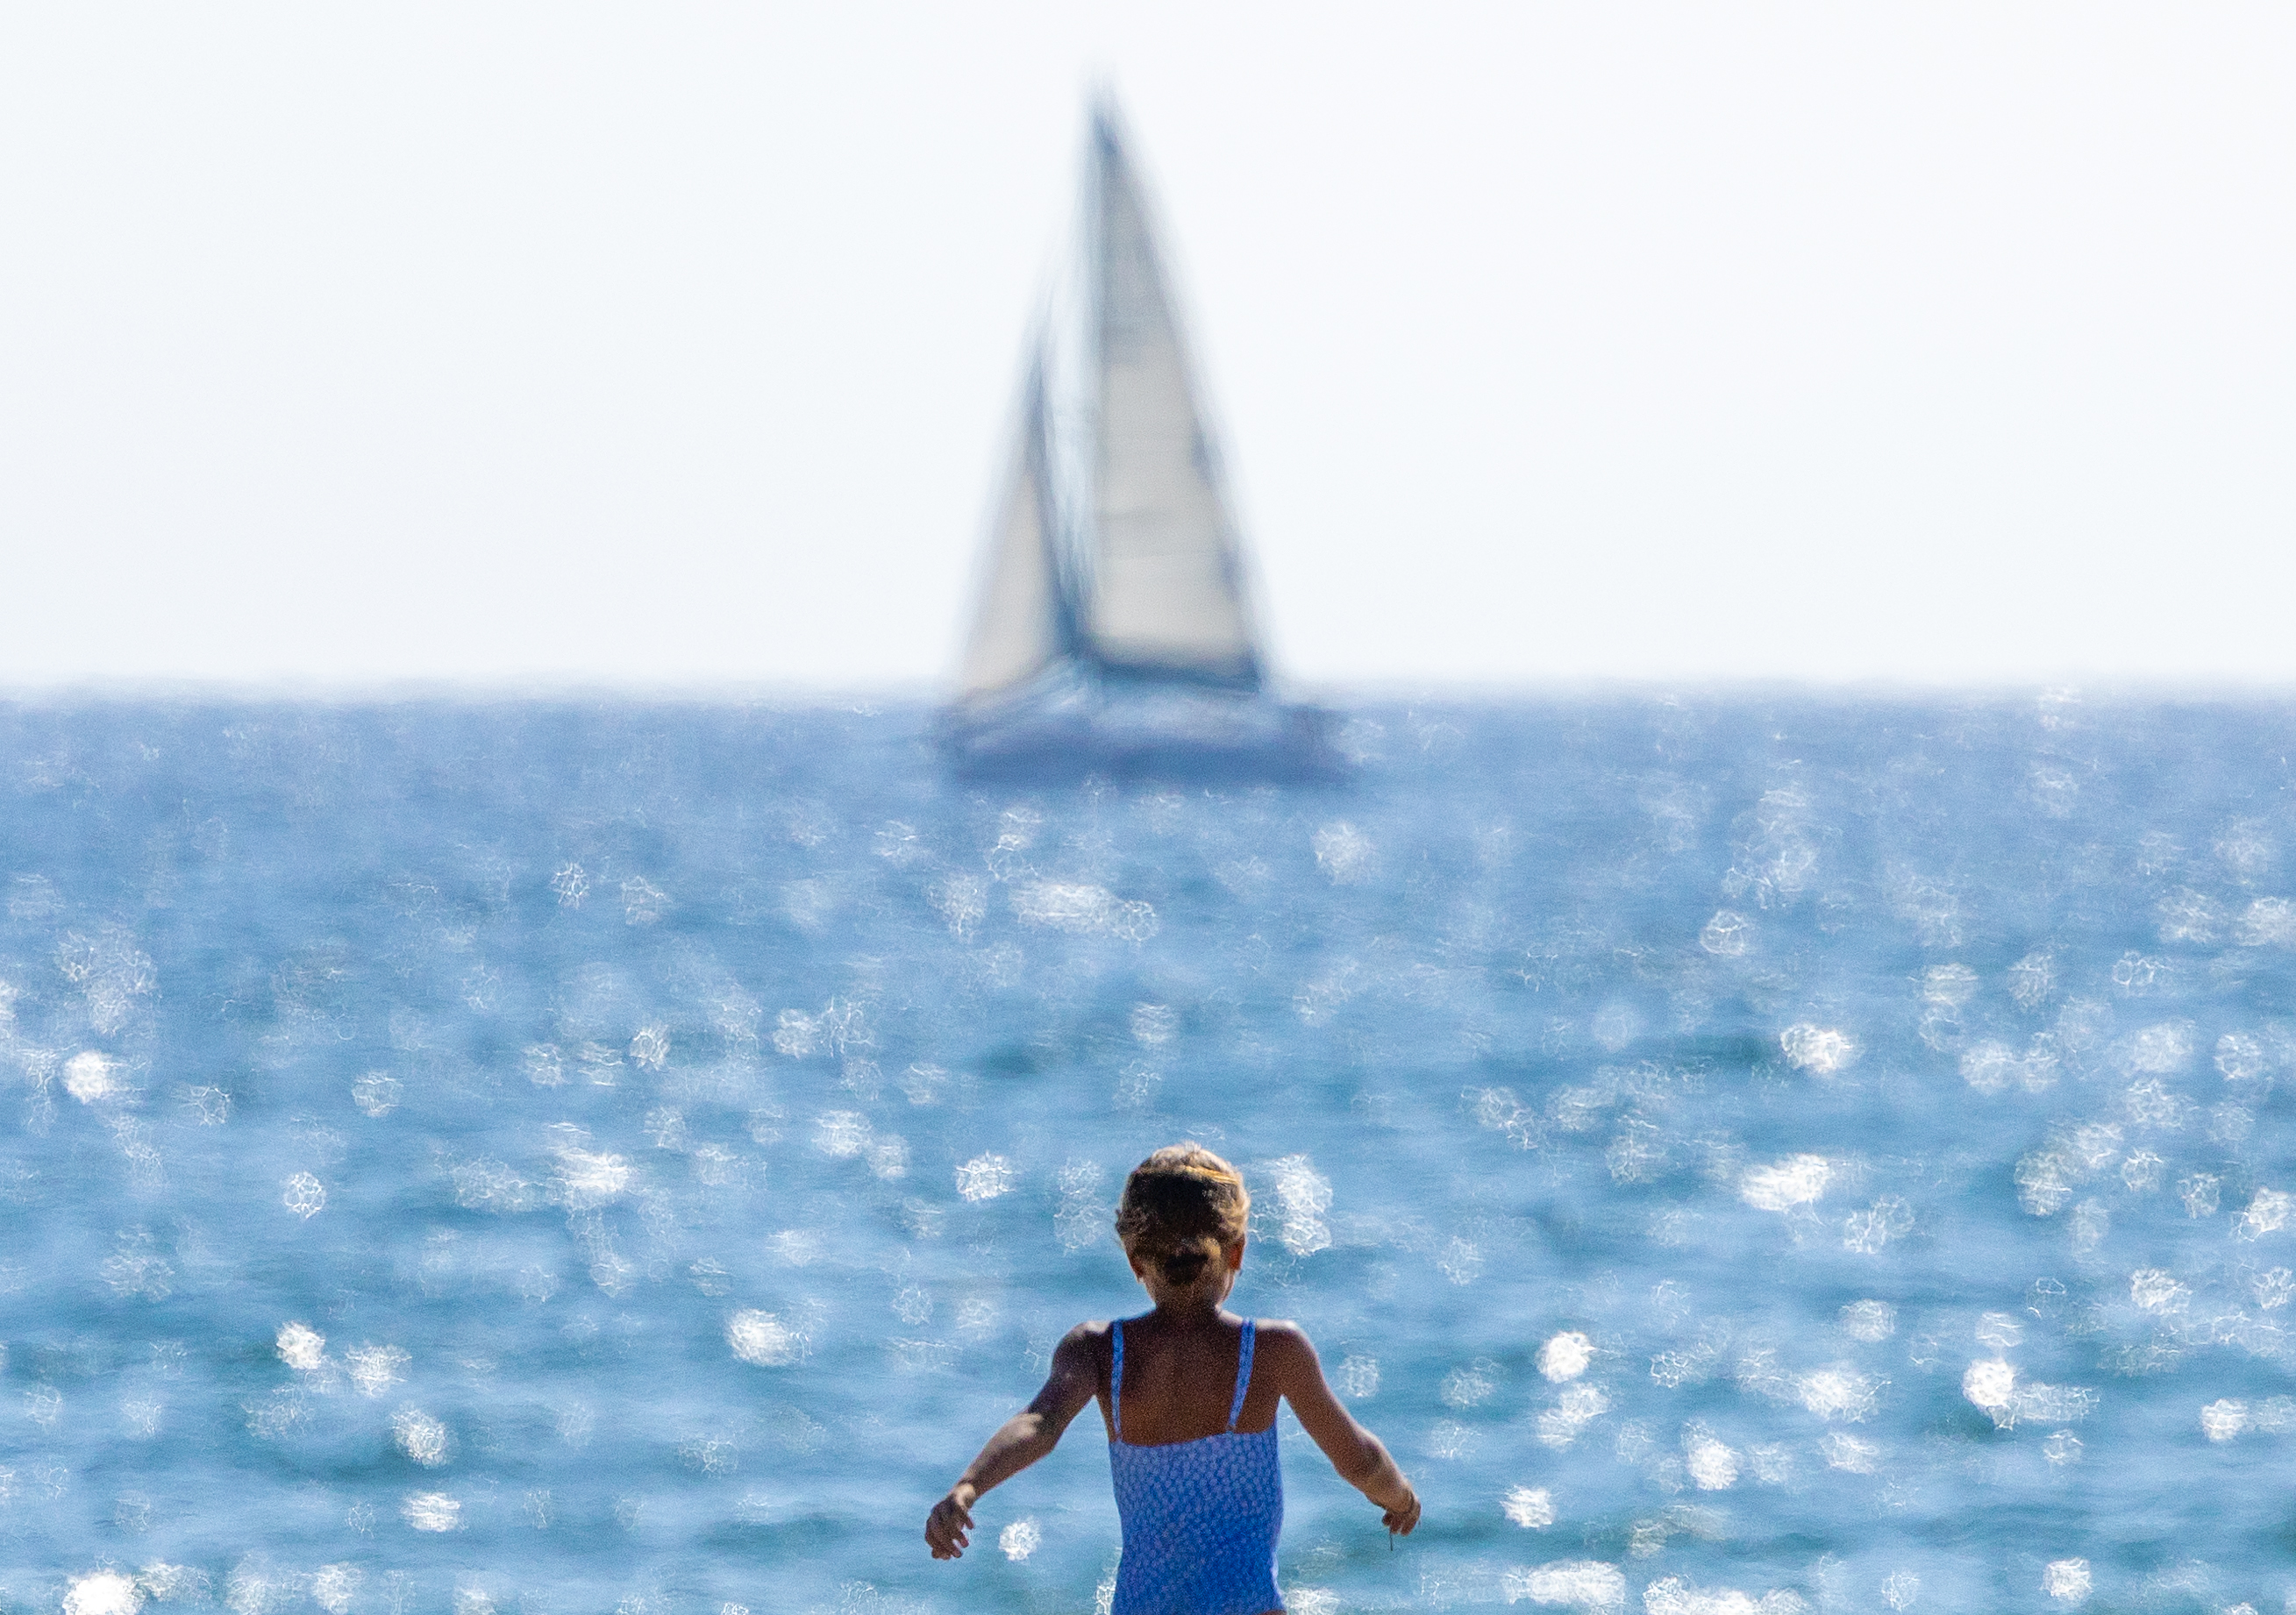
{"type": "Point", "coordinates": [1188, 1392]}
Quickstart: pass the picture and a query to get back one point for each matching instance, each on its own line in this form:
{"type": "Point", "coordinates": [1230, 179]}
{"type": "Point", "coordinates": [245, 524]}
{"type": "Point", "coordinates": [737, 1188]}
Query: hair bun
{"type": "Point", "coordinates": [1181, 1207]}
{"type": "Point", "coordinates": [1183, 1267]}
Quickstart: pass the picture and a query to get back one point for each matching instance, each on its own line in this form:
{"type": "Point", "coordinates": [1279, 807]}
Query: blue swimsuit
{"type": "Point", "coordinates": [1200, 1517]}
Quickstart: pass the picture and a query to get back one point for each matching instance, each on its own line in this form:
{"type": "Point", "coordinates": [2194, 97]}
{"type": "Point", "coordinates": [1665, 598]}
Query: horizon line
{"type": "Point", "coordinates": [2116, 689]}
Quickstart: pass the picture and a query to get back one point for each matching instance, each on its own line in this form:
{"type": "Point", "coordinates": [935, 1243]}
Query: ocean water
{"type": "Point", "coordinates": [1740, 1154]}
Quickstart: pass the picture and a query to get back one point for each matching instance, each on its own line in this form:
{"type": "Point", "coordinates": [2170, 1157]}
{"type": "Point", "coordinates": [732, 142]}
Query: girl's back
{"type": "Point", "coordinates": [1179, 1379]}
{"type": "Point", "coordinates": [1201, 1512]}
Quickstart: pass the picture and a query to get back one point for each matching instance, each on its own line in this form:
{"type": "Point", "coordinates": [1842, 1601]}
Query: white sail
{"type": "Point", "coordinates": [1112, 636]}
{"type": "Point", "coordinates": [1017, 628]}
{"type": "Point", "coordinates": [1166, 587]}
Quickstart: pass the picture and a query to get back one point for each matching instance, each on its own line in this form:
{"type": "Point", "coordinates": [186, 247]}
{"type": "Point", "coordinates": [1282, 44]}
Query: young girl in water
{"type": "Point", "coordinates": [1188, 1392]}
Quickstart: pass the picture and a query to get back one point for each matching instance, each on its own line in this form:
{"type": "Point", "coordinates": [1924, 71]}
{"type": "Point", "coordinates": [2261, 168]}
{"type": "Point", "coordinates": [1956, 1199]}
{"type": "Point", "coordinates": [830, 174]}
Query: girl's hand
{"type": "Point", "coordinates": [950, 1519]}
{"type": "Point", "coordinates": [1401, 1520]}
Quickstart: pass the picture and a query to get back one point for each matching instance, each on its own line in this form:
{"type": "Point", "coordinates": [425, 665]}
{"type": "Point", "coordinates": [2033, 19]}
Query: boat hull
{"type": "Point", "coordinates": [1185, 735]}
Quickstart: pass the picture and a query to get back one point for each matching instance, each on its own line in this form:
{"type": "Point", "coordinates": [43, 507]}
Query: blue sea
{"type": "Point", "coordinates": [1743, 1153]}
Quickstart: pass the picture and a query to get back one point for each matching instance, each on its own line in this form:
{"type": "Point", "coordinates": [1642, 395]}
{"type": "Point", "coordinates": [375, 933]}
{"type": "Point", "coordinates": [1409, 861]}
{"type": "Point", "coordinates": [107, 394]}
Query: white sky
{"type": "Point", "coordinates": [662, 343]}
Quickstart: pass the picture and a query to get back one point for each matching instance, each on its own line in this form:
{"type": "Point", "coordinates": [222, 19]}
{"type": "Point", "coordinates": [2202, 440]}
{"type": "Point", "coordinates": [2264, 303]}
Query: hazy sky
{"type": "Point", "coordinates": [665, 343]}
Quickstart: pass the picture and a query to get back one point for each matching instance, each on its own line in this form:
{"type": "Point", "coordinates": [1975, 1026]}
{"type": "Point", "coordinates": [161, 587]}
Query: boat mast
{"type": "Point", "coordinates": [1059, 554]}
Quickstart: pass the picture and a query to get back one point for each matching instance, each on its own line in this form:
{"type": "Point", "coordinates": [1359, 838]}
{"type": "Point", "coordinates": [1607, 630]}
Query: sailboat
{"type": "Point", "coordinates": [1113, 633]}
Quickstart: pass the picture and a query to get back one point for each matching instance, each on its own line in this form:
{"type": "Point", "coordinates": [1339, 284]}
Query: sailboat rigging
{"type": "Point", "coordinates": [1113, 632]}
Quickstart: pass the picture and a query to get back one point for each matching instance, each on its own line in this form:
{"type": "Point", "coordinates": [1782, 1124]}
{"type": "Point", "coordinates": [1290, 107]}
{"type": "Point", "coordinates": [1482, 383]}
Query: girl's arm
{"type": "Point", "coordinates": [1026, 1436]}
{"type": "Point", "coordinates": [1353, 1451]}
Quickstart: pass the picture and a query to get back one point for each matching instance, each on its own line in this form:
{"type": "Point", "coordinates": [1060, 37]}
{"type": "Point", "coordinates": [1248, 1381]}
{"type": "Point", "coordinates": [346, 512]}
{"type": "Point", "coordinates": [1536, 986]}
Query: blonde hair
{"type": "Point", "coordinates": [1181, 1207]}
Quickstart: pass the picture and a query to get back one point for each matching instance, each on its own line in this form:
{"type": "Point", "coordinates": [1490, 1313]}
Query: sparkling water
{"type": "Point", "coordinates": [1740, 1154]}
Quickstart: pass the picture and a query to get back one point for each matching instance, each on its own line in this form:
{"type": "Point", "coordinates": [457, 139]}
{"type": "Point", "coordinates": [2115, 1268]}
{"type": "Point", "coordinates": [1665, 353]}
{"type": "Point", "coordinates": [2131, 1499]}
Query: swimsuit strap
{"type": "Point", "coordinates": [1243, 1378]}
{"type": "Point", "coordinates": [1116, 1381]}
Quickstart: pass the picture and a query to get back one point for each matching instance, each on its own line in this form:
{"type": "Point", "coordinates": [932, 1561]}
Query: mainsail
{"type": "Point", "coordinates": [1023, 623]}
{"type": "Point", "coordinates": [1166, 593]}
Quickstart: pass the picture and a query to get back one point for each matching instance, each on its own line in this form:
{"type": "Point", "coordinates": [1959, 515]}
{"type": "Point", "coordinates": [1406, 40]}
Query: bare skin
{"type": "Point", "coordinates": [1179, 1373]}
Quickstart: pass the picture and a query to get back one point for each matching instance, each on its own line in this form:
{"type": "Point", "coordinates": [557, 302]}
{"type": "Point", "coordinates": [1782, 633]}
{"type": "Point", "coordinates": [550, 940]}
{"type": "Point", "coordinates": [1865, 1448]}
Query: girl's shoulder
{"type": "Point", "coordinates": [1085, 1350]}
{"type": "Point", "coordinates": [1282, 1330]}
{"type": "Point", "coordinates": [1284, 1346]}
{"type": "Point", "coordinates": [1094, 1335]}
